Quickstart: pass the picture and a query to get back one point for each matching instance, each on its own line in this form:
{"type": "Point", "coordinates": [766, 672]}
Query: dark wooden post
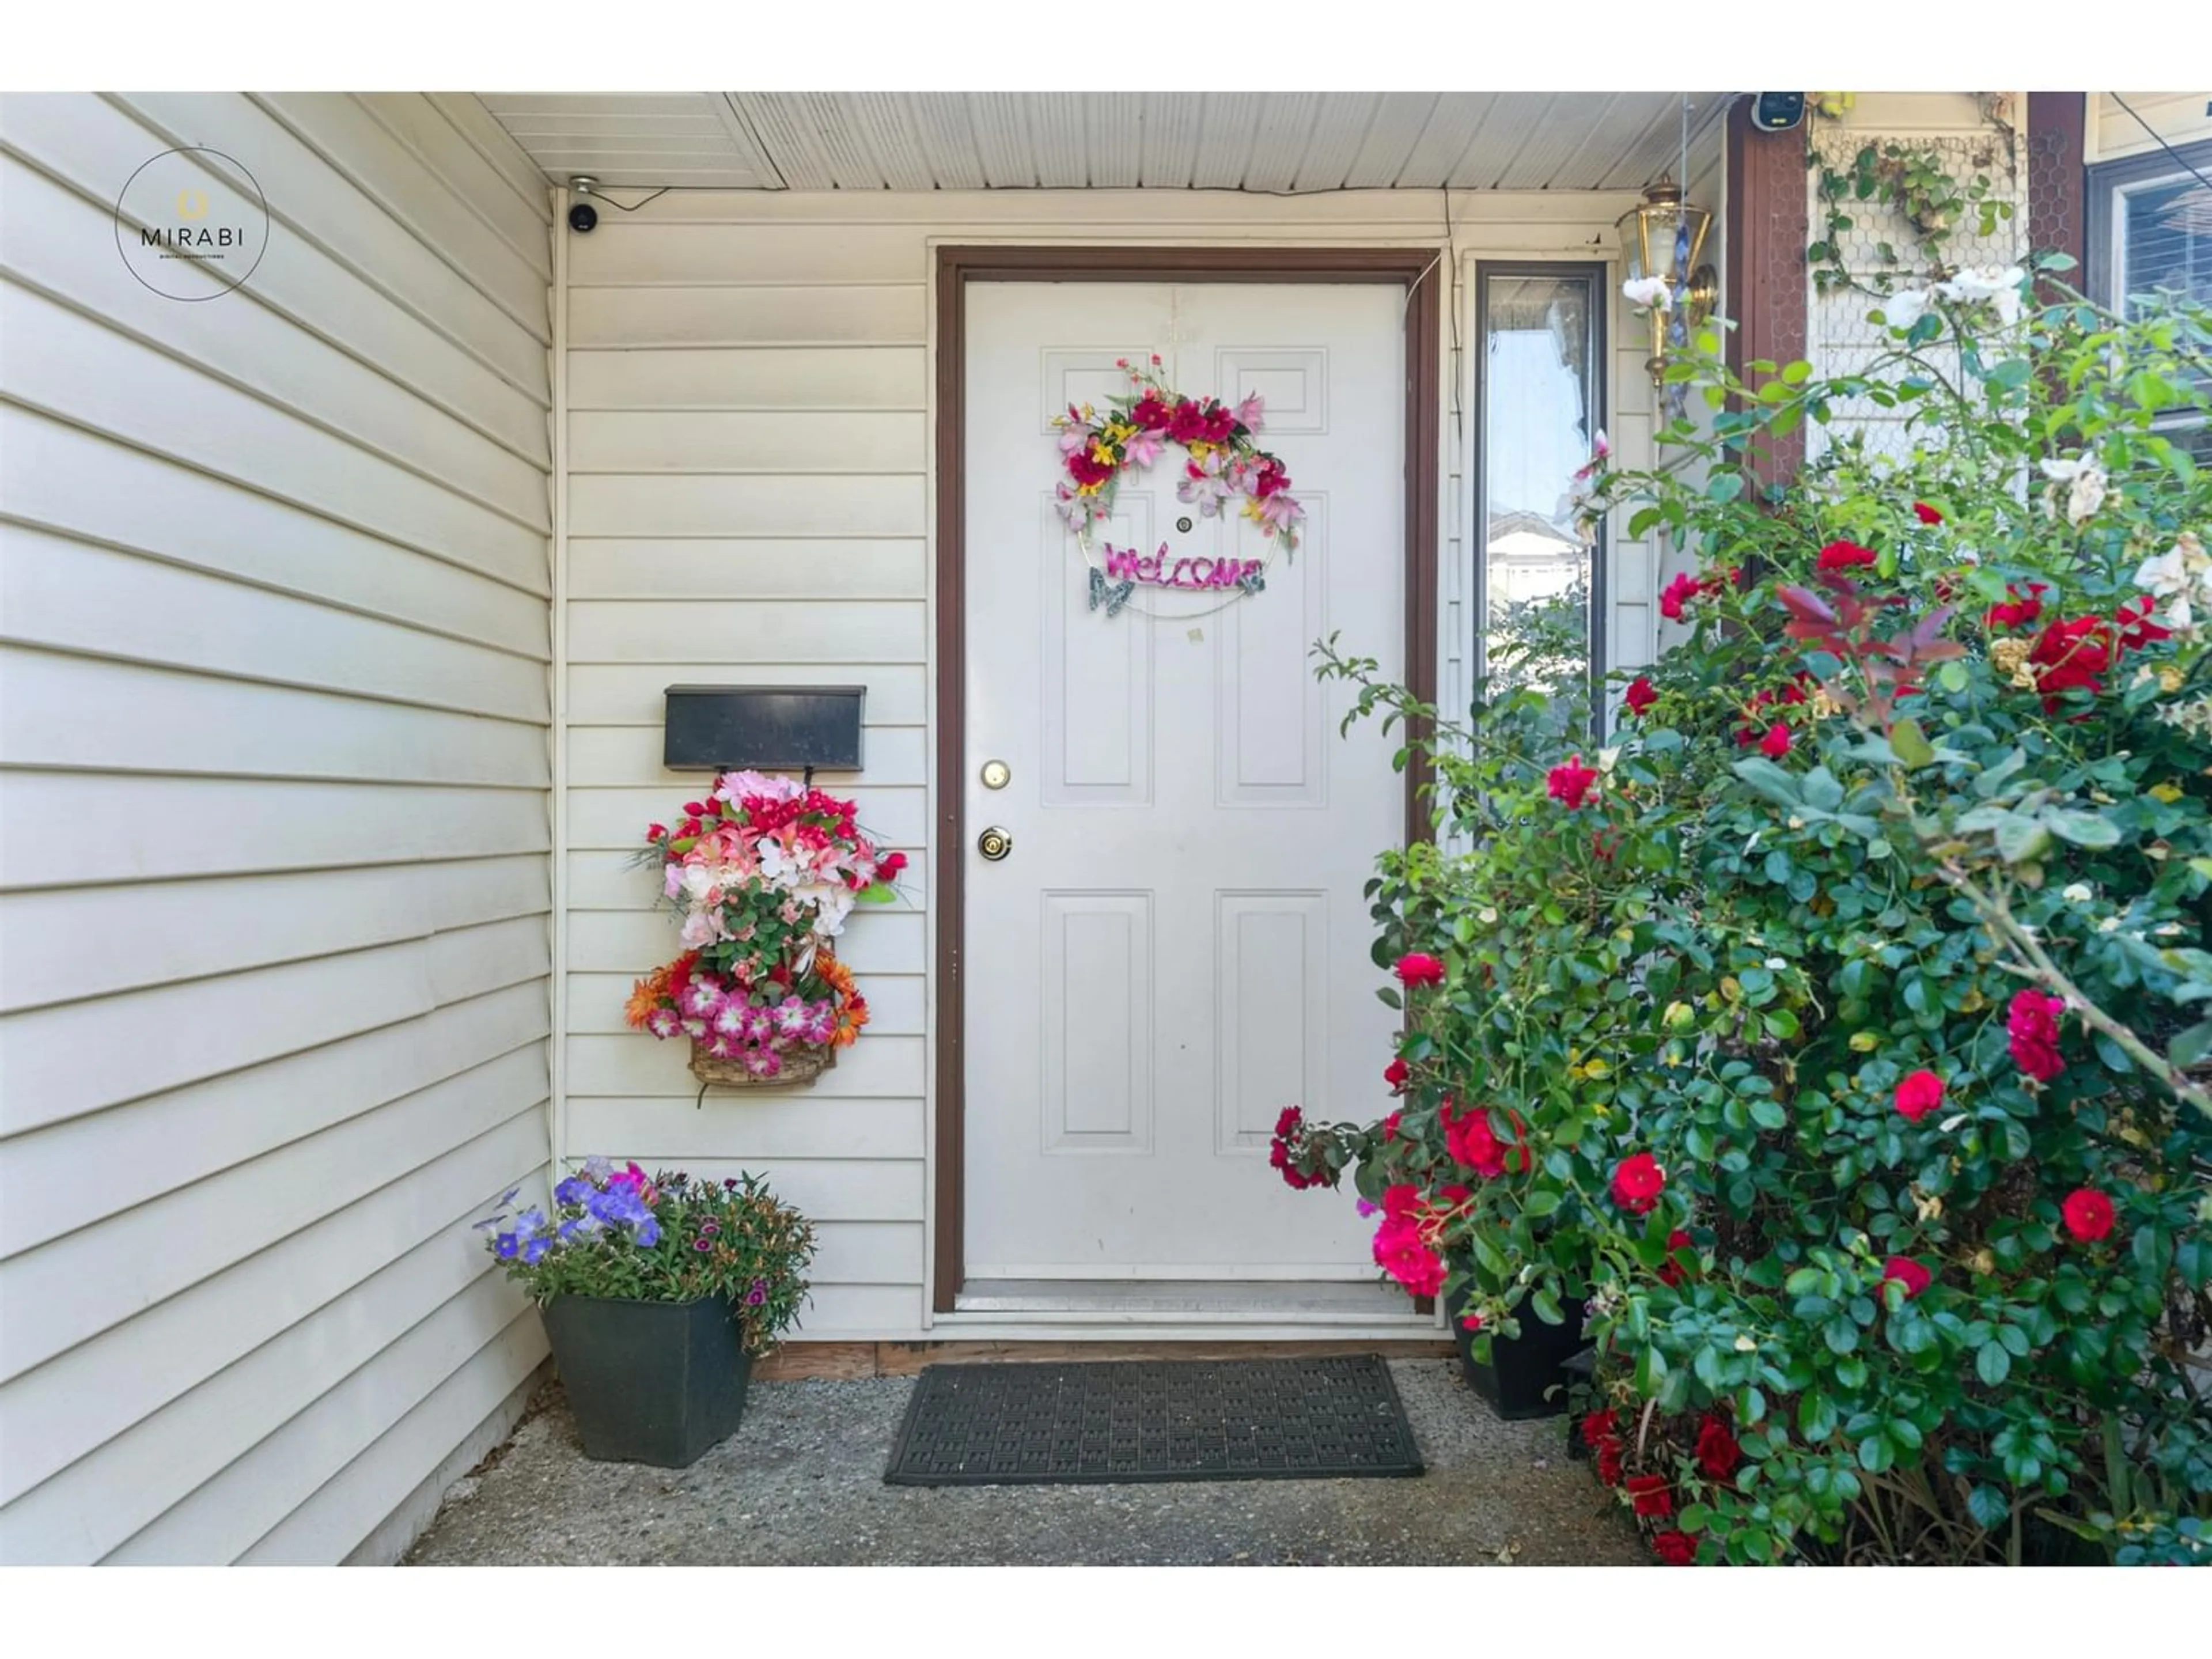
{"type": "Point", "coordinates": [1767, 228]}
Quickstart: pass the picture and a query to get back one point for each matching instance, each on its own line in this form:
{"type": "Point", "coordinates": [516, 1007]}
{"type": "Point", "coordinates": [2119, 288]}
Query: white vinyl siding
{"type": "Point", "coordinates": [274, 826]}
{"type": "Point", "coordinates": [749, 404]}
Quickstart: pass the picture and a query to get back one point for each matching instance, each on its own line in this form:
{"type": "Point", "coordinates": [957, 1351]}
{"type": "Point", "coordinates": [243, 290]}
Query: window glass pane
{"type": "Point", "coordinates": [1540, 390]}
{"type": "Point", "coordinates": [2166, 242]}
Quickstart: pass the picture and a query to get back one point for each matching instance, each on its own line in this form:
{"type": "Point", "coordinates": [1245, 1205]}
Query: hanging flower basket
{"type": "Point", "coordinates": [762, 872]}
{"type": "Point", "coordinates": [796, 1068]}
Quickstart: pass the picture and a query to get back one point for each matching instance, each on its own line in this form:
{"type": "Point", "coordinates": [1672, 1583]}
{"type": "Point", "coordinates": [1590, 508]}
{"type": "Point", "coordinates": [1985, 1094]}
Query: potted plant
{"type": "Point", "coordinates": [658, 1293]}
{"type": "Point", "coordinates": [762, 872]}
{"type": "Point", "coordinates": [1419, 1182]}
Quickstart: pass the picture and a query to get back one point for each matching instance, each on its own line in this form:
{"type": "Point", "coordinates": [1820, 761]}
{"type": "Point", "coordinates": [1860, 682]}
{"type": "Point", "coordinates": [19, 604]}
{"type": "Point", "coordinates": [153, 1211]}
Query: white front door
{"type": "Point", "coordinates": [1176, 946]}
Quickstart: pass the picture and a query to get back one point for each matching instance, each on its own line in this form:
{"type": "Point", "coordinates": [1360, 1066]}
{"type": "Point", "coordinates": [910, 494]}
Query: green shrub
{"type": "Point", "coordinates": [1839, 1030]}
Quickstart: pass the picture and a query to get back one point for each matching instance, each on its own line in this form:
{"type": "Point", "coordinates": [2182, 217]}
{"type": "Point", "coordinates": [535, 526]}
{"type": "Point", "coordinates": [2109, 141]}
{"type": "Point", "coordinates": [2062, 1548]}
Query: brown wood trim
{"type": "Point", "coordinates": [796, 1360]}
{"type": "Point", "coordinates": [1420, 270]}
{"type": "Point", "coordinates": [1767, 227]}
{"type": "Point", "coordinates": [2058, 180]}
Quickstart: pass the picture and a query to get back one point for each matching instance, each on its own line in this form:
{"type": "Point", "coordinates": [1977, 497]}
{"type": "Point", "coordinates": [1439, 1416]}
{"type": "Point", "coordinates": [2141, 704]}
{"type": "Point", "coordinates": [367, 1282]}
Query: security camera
{"type": "Point", "coordinates": [1776, 112]}
{"type": "Point", "coordinates": [583, 217]}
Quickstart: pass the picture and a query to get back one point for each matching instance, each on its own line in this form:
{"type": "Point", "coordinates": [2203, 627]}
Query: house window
{"type": "Point", "coordinates": [2150, 242]}
{"type": "Point", "coordinates": [1539, 591]}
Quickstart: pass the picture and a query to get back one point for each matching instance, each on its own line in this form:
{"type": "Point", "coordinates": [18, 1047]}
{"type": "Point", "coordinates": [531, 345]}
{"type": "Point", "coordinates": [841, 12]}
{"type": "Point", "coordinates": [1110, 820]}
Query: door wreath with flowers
{"type": "Point", "coordinates": [1222, 465]}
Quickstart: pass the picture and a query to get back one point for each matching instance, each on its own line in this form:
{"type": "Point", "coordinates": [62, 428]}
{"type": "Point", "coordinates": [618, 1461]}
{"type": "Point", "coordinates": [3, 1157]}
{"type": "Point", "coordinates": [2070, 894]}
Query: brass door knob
{"type": "Point", "coordinates": [994, 843]}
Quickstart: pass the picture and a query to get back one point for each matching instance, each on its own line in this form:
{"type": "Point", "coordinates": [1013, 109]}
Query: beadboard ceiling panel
{"type": "Point", "coordinates": [648, 138]}
{"type": "Point", "coordinates": [1254, 141]}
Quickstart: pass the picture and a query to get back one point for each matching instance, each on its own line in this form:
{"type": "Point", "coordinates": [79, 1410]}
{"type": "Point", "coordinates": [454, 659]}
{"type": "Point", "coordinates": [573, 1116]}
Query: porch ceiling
{"type": "Point", "coordinates": [1256, 141]}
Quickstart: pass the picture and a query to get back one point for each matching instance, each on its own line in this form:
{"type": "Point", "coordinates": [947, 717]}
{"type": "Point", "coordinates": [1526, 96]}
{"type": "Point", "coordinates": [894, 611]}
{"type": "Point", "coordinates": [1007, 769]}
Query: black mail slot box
{"type": "Point", "coordinates": [784, 728]}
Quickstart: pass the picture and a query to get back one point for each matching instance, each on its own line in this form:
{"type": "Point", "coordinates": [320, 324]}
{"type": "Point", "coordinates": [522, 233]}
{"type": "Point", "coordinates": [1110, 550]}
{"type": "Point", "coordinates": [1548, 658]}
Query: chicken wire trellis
{"type": "Point", "coordinates": [1840, 338]}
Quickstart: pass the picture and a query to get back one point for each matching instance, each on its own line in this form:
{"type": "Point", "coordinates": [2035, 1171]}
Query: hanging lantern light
{"type": "Point", "coordinates": [1661, 240]}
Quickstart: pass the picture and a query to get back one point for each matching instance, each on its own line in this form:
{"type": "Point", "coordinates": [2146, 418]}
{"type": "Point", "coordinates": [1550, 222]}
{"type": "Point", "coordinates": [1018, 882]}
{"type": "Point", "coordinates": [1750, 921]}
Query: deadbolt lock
{"type": "Point", "coordinates": [994, 843]}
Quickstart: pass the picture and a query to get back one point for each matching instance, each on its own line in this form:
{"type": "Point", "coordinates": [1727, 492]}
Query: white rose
{"type": "Point", "coordinates": [1998, 284]}
{"type": "Point", "coordinates": [1905, 307]}
{"type": "Point", "coordinates": [1647, 293]}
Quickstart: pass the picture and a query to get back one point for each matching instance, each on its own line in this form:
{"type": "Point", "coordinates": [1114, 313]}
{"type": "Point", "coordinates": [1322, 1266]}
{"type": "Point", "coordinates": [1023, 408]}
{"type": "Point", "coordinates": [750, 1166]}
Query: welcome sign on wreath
{"type": "Point", "coordinates": [1223, 465]}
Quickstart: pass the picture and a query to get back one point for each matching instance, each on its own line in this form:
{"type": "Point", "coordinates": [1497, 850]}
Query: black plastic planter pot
{"type": "Point", "coordinates": [649, 1382]}
{"type": "Point", "coordinates": [1523, 1368]}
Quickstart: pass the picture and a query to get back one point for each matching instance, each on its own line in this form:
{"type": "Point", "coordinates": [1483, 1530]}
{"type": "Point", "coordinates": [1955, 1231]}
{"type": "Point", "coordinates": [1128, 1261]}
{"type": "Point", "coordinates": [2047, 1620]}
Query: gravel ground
{"type": "Point", "coordinates": [801, 1483]}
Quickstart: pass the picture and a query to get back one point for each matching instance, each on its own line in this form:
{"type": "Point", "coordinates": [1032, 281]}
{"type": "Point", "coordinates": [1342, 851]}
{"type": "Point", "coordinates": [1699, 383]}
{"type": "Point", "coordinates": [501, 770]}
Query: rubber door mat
{"type": "Point", "coordinates": [1182, 1419]}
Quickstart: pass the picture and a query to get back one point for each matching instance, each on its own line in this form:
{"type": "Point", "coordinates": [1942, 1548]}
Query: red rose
{"type": "Point", "coordinates": [1908, 1272]}
{"type": "Point", "coordinates": [1390, 1127]}
{"type": "Point", "coordinates": [2071, 656]}
{"type": "Point", "coordinates": [2137, 631]}
{"type": "Point", "coordinates": [1846, 556]}
{"type": "Point", "coordinates": [1640, 695]}
{"type": "Point", "coordinates": [1718, 1454]}
{"type": "Point", "coordinates": [1638, 1181]}
{"type": "Point", "coordinates": [1921, 1093]}
{"type": "Point", "coordinates": [1672, 1272]}
{"type": "Point", "coordinates": [1678, 594]}
{"type": "Point", "coordinates": [1676, 1549]}
{"type": "Point", "coordinates": [1401, 1201]}
{"type": "Point", "coordinates": [1926, 513]}
{"type": "Point", "coordinates": [1571, 783]}
{"type": "Point", "coordinates": [1473, 1322]}
{"type": "Point", "coordinates": [1400, 1252]}
{"type": "Point", "coordinates": [1775, 744]}
{"type": "Point", "coordinates": [2088, 1214]}
{"type": "Point", "coordinates": [656, 831]}
{"type": "Point", "coordinates": [1287, 1122]}
{"type": "Point", "coordinates": [1608, 1461]}
{"type": "Point", "coordinates": [1471, 1141]}
{"type": "Point", "coordinates": [1648, 1493]}
{"type": "Point", "coordinates": [1416, 968]}
{"type": "Point", "coordinates": [2022, 610]}
{"type": "Point", "coordinates": [1395, 1075]}
{"type": "Point", "coordinates": [2032, 1033]}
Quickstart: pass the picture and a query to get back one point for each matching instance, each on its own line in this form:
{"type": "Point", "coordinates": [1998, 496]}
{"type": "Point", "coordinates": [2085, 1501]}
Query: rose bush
{"type": "Point", "coordinates": [1854, 1069]}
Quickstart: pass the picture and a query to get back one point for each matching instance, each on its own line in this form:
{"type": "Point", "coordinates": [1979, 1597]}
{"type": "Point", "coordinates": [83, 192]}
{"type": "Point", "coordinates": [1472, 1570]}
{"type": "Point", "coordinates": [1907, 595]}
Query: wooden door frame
{"type": "Point", "coordinates": [1421, 271]}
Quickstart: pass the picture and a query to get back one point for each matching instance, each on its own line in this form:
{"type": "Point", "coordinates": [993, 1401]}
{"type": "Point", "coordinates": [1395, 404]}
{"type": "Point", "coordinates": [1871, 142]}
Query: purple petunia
{"type": "Point", "coordinates": [572, 1191]}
